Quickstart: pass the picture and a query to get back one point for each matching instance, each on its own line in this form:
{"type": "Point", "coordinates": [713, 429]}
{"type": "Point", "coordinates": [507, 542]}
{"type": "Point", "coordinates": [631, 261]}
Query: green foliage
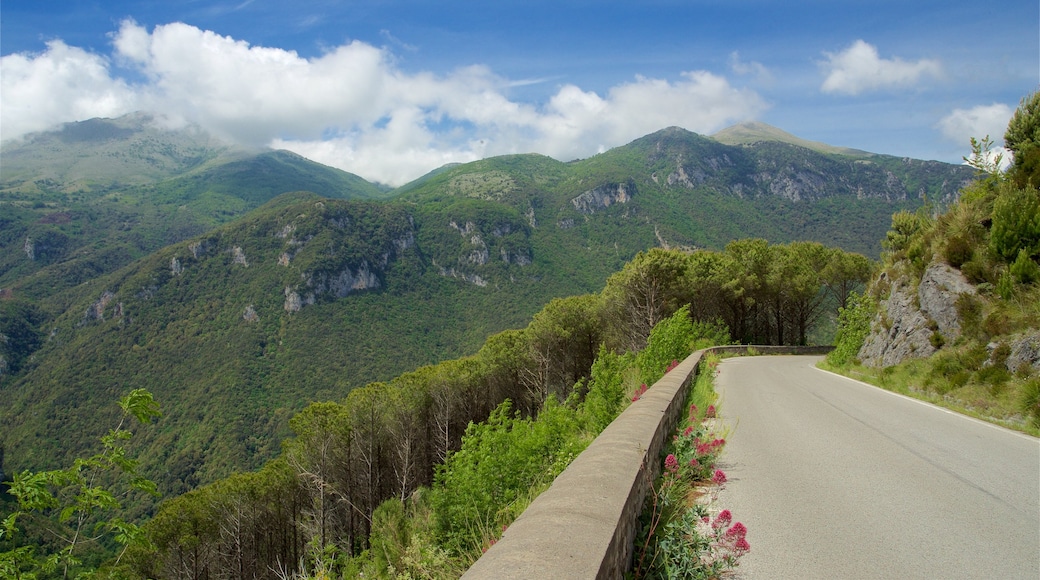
{"type": "Point", "coordinates": [78, 506]}
{"type": "Point", "coordinates": [1016, 223]}
{"type": "Point", "coordinates": [1024, 269]}
{"type": "Point", "coordinates": [670, 340]}
{"type": "Point", "coordinates": [606, 390]}
{"type": "Point", "coordinates": [853, 327]}
{"type": "Point", "coordinates": [1030, 401]}
{"type": "Point", "coordinates": [1023, 139]}
{"type": "Point", "coordinates": [500, 460]}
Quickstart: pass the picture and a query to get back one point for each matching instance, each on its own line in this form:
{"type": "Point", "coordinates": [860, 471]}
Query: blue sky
{"type": "Point", "coordinates": [391, 89]}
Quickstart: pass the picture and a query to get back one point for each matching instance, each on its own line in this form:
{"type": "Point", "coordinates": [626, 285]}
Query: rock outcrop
{"type": "Point", "coordinates": [910, 324]}
{"type": "Point", "coordinates": [1025, 351]}
{"type": "Point", "coordinates": [604, 196]}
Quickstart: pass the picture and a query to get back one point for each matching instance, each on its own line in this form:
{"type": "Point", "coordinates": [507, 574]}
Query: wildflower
{"type": "Point", "coordinates": [693, 411]}
{"type": "Point", "coordinates": [688, 431]}
{"type": "Point", "coordinates": [719, 478]}
{"type": "Point", "coordinates": [694, 464]}
{"type": "Point", "coordinates": [742, 547]}
{"type": "Point", "coordinates": [737, 530]}
{"type": "Point", "coordinates": [671, 463]}
{"type": "Point", "coordinates": [725, 516]}
{"type": "Point", "coordinates": [710, 413]}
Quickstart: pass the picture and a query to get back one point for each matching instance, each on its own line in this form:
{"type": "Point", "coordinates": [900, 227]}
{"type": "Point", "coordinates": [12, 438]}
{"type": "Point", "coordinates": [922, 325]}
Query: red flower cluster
{"type": "Point", "coordinates": [719, 478]}
{"type": "Point", "coordinates": [671, 463]}
{"type": "Point", "coordinates": [708, 447]}
{"type": "Point", "coordinates": [639, 392]}
{"type": "Point", "coordinates": [723, 519]}
{"type": "Point", "coordinates": [674, 364]}
{"type": "Point", "coordinates": [710, 413]}
{"type": "Point", "coordinates": [736, 536]}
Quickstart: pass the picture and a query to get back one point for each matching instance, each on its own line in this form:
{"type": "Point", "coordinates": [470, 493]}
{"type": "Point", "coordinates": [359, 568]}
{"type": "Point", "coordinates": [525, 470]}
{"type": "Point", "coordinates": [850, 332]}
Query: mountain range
{"type": "Point", "coordinates": [240, 285]}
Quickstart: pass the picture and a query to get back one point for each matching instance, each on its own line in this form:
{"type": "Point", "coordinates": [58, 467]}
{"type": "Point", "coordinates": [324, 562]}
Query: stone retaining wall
{"type": "Point", "coordinates": [585, 524]}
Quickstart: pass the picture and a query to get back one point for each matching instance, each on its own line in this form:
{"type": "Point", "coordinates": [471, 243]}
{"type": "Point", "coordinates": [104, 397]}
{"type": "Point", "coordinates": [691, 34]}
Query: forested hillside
{"type": "Point", "coordinates": [318, 504]}
{"type": "Point", "coordinates": [306, 298]}
{"type": "Point", "coordinates": [96, 195]}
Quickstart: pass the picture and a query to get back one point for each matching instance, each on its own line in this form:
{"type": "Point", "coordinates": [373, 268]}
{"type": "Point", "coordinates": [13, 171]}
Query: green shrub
{"type": "Point", "coordinates": [853, 328]}
{"type": "Point", "coordinates": [1024, 270]}
{"type": "Point", "coordinates": [1016, 223]}
{"type": "Point", "coordinates": [958, 251]}
{"type": "Point", "coordinates": [606, 393]}
{"type": "Point", "coordinates": [1030, 403]}
{"type": "Point", "coordinates": [669, 340]}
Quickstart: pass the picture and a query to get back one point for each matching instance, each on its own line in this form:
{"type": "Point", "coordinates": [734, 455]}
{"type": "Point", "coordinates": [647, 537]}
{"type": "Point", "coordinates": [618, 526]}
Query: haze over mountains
{"type": "Point", "coordinates": [240, 285]}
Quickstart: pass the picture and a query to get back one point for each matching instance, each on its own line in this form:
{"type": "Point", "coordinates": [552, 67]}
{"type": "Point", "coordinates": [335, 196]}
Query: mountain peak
{"type": "Point", "coordinates": [751, 132]}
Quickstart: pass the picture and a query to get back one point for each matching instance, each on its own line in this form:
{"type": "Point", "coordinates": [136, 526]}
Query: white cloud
{"type": "Point", "coordinates": [859, 68]}
{"type": "Point", "coordinates": [979, 122]}
{"type": "Point", "coordinates": [754, 68]}
{"type": "Point", "coordinates": [61, 84]}
{"type": "Point", "coordinates": [962, 124]}
{"type": "Point", "coordinates": [351, 107]}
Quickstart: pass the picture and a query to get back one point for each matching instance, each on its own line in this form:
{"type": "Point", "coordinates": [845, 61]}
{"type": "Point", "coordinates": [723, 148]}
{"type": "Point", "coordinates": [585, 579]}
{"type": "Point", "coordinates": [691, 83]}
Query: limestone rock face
{"type": "Point", "coordinates": [603, 197]}
{"type": "Point", "coordinates": [900, 331]}
{"type": "Point", "coordinates": [907, 320]}
{"type": "Point", "coordinates": [937, 294]}
{"type": "Point", "coordinates": [1024, 351]}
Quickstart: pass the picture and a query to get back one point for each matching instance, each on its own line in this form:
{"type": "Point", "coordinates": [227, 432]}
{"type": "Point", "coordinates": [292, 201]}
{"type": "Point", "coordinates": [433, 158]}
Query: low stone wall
{"type": "Point", "coordinates": [585, 524]}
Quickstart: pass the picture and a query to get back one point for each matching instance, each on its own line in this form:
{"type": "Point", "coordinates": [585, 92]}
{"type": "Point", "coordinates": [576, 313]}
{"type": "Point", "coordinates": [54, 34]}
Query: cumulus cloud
{"type": "Point", "coordinates": [859, 68]}
{"type": "Point", "coordinates": [351, 107]}
{"type": "Point", "coordinates": [61, 84]}
{"type": "Point", "coordinates": [962, 124]}
{"type": "Point", "coordinates": [979, 122]}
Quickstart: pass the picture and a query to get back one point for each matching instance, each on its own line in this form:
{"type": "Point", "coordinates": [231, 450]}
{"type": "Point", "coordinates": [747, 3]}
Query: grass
{"type": "Point", "coordinates": [915, 379]}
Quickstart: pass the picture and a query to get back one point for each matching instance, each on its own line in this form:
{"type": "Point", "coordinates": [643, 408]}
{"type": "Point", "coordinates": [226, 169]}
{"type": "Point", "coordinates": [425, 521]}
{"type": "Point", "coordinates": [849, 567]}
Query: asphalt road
{"type": "Point", "coordinates": [838, 479]}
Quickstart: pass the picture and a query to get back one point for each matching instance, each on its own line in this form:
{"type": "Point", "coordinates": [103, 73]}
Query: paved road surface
{"type": "Point", "coordinates": [837, 479]}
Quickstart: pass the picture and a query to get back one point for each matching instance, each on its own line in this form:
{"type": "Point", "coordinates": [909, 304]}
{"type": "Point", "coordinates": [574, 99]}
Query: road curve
{"type": "Point", "coordinates": [838, 479]}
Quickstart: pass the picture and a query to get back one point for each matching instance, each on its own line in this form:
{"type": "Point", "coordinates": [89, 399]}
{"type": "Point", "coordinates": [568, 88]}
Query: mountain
{"type": "Point", "coordinates": [305, 297]}
{"type": "Point", "coordinates": [95, 195]}
{"type": "Point", "coordinates": [677, 188]}
{"type": "Point", "coordinates": [753, 132]}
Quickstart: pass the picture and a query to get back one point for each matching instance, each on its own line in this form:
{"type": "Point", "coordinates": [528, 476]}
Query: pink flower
{"type": "Point", "coordinates": [693, 410]}
{"type": "Point", "coordinates": [738, 530]}
{"type": "Point", "coordinates": [722, 520]}
{"type": "Point", "coordinates": [688, 431]}
{"type": "Point", "coordinates": [719, 478]}
{"type": "Point", "coordinates": [694, 464]}
{"type": "Point", "coordinates": [742, 547]}
{"type": "Point", "coordinates": [671, 463]}
{"type": "Point", "coordinates": [710, 413]}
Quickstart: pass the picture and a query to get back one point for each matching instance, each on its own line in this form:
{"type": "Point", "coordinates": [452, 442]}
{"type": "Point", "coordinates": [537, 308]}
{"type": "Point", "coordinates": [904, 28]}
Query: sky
{"type": "Point", "coordinates": [392, 89]}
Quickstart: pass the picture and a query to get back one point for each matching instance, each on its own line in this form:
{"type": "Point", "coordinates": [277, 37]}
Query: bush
{"type": "Point", "coordinates": [1016, 223]}
{"type": "Point", "coordinates": [1030, 403]}
{"type": "Point", "coordinates": [1024, 270]}
{"type": "Point", "coordinates": [853, 328]}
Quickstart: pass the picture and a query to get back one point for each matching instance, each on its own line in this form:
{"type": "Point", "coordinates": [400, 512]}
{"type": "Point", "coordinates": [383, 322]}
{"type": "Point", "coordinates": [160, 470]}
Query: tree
{"type": "Point", "coordinates": [1022, 138]}
{"type": "Point", "coordinates": [844, 273]}
{"type": "Point", "coordinates": [1016, 223]}
{"type": "Point", "coordinates": [323, 434]}
{"type": "Point", "coordinates": [564, 338]}
{"type": "Point", "coordinates": [648, 289]}
{"type": "Point", "coordinates": [79, 505]}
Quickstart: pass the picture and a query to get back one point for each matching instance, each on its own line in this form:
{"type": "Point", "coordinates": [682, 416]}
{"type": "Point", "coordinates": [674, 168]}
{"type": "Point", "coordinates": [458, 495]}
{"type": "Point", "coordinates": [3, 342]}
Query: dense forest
{"type": "Point", "coordinates": [320, 502]}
